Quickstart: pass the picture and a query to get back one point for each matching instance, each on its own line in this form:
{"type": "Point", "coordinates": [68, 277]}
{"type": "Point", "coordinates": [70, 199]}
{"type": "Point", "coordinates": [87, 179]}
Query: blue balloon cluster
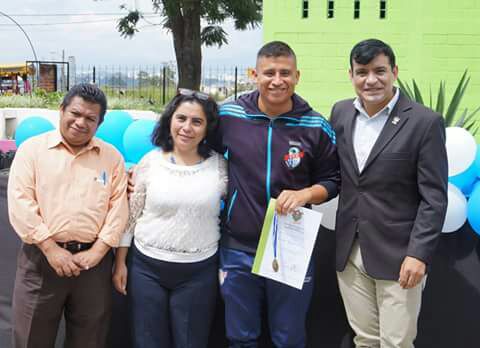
{"type": "Point", "coordinates": [131, 138]}
{"type": "Point", "coordinates": [469, 183]}
{"type": "Point", "coordinates": [31, 126]}
{"type": "Point", "coordinates": [113, 127]}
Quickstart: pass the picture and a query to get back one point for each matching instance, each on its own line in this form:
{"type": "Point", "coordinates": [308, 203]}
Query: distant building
{"type": "Point", "coordinates": [433, 39]}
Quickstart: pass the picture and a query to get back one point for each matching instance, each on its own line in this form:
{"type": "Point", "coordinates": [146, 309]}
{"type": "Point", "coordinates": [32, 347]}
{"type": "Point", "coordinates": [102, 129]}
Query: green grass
{"type": "Point", "coordinates": [17, 101]}
{"type": "Point", "coordinates": [53, 100]}
{"type": "Point", "coordinates": [126, 103]}
{"type": "Point", "coordinates": [144, 97]}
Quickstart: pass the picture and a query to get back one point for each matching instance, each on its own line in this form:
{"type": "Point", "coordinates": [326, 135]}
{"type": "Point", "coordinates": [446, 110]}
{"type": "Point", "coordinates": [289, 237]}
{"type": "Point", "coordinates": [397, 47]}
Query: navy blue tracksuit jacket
{"type": "Point", "coordinates": [268, 155]}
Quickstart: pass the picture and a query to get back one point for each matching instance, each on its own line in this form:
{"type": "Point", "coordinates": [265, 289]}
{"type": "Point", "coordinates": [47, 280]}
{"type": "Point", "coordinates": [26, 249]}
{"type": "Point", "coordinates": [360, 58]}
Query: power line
{"type": "Point", "coordinates": [74, 14]}
{"type": "Point", "coordinates": [62, 23]}
{"type": "Point", "coordinates": [52, 29]}
{"type": "Point", "coordinates": [65, 23]}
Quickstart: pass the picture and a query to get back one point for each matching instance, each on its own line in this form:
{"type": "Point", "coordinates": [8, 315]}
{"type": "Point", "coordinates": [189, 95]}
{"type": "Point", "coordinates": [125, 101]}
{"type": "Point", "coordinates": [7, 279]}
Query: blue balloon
{"type": "Point", "coordinates": [477, 161]}
{"type": "Point", "coordinates": [129, 165]}
{"type": "Point", "coordinates": [137, 140]}
{"type": "Point", "coordinates": [473, 209]}
{"type": "Point", "coordinates": [31, 126]}
{"type": "Point", "coordinates": [465, 180]}
{"type": "Point", "coordinates": [468, 191]}
{"type": "Point", "coordinates": [113, 128]}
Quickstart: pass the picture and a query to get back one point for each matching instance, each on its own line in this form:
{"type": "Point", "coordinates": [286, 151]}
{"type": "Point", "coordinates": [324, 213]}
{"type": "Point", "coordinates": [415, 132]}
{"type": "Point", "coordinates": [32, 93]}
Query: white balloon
{"type": "Point", "coordinates": [461, 150]}
{"type": "Point", "coordinates": [456, 210]}
{"type": "Point", "coordinates": [329, 210]}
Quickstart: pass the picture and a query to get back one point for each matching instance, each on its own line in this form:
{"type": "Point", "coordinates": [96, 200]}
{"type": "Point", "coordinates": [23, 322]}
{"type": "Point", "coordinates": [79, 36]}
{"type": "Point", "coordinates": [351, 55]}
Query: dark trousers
{"type": "Point", "coordinates": [41, 296]}
{"type": "Point", "coordinates": [245, 294]}
{"type": "Point", "coordinates": [171, 304]}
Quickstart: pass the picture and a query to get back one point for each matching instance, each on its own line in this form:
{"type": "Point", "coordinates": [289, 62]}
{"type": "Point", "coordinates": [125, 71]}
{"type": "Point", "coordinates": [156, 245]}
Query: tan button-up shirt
{"type": "Point", "coordinates": [69, 197]}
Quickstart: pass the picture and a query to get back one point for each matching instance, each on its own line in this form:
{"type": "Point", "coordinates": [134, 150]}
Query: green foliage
{"type": "Point", "coordinates": [39, 99]}
{"type": "Point", "coordinates": [194, 23]}
{"type": "Point", "coordinates": [465, 120]}
{"type": "Point", "coordinates": [49, 98]}
{"type": "Point", "coordinates": [213, 35]}
{"type": "Point", "coordinates": [127, 26]}
{"type": "Point", "coordinates": [139, 99]}
{"type": "Point", "coordinates": [125, 103]}
{"type": "Point", "coordinates": [20, 101]}
{"type": "Point", "coordinates": [245, 14]}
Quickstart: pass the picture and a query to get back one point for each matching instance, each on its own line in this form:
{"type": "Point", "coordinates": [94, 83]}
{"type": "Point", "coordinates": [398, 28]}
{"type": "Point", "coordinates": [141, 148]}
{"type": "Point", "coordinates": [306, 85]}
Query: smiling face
{"type": "Point", "coordinates": [79, 122]}
{"type": "Point", "coordinates": [373, 82]}
{"type": "Point", "coordinates": [276, 78]}
{"type": "Point", "coordinates": [188, 126]}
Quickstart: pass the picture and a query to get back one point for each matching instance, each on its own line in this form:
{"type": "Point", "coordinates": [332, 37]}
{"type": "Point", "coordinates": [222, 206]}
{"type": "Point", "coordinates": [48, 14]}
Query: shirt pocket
{"type": "Point", "coordinates": [96, 192]}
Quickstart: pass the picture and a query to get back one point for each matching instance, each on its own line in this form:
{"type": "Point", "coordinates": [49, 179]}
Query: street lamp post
{"type": "Point", "coordinates": [24, 33]}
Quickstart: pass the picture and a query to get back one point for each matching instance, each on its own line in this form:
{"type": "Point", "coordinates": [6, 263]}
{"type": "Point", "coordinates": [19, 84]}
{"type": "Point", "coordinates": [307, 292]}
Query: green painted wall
{"type": "Point", "coordinates": [432, 39]}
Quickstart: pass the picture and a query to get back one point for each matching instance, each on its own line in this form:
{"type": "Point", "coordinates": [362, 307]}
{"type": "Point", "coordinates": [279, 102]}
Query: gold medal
{"type": "Point", "coordinates": [275, 265]}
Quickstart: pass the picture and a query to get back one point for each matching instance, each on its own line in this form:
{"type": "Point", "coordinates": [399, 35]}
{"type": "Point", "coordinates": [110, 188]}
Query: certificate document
{"type": "Point", "coordinates": [286, 245]}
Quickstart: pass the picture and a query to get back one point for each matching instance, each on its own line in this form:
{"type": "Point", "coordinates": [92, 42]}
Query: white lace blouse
{"type": "Point", "coordinates": [174, 209]}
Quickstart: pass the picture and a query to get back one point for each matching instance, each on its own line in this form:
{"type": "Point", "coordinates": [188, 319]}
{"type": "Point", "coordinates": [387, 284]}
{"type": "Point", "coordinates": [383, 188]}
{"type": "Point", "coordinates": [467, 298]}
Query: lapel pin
{"type": "Point", "coordinates": [395, 120]}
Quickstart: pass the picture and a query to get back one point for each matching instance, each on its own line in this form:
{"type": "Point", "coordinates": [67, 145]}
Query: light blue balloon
{"type": "Point", "coordinates": [477, 161]}
{"type": "Point", "coordinates": [473, 209]}
{"type": "Point", "coordinates": [129, 165]}
{"type": "Point", "coordinates": [137, 140]}
{"type": "Point", "coordinates": [31, 126]}
{"type": "Point", "coordinates": [465, 180]}
{"type": "Point", "coordinates": [113, 128]}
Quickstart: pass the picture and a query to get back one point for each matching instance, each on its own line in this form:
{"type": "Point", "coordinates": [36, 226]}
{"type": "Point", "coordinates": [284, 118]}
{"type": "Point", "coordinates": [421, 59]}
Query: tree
{"type": "Point", "coordinates": [184, 18]}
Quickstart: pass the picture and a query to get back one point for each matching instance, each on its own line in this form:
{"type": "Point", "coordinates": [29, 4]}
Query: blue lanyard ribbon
{"type": "Point", "coordinates": [275, 235]}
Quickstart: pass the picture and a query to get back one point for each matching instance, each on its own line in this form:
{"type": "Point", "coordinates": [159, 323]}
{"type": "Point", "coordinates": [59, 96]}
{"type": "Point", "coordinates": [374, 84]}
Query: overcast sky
{"type": "Point", "coordinates": [97, 41]}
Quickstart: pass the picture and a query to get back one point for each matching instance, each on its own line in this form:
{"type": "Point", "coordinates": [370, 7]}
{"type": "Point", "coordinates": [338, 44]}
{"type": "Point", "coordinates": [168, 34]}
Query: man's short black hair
{"type": "Point", "coordinates": [90, 93]}
{"type": "Point", "coordinates": [365, 51]}
{"type": "Point", "coordinates": [162, 136]}
{"type": "Point", "coordinates": [276, 49]}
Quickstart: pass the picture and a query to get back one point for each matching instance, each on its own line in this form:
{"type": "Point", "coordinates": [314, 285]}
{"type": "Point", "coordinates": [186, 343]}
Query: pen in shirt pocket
{"type": "Point", "coordinates": [102, 178]}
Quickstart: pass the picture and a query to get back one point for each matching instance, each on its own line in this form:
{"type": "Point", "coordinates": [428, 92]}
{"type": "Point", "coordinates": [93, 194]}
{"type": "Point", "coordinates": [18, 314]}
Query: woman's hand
{"type": "Point", "coordinates": [131, 180]}
{"type": "Point", "coordinates": [119, 277]}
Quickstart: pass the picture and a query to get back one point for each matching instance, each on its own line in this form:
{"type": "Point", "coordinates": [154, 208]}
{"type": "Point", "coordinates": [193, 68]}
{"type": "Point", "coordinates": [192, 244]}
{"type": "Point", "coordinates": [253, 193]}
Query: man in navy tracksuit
{"type": "Point", "coordinates": [276, 146]}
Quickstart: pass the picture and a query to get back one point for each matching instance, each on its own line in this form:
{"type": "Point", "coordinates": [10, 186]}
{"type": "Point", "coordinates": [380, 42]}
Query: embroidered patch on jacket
{"type": "Point", "coordinates": [293, 157]}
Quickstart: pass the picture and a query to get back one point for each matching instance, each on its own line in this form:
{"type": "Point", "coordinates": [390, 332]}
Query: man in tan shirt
{"type": "Point", "coordinates": [67, 201]}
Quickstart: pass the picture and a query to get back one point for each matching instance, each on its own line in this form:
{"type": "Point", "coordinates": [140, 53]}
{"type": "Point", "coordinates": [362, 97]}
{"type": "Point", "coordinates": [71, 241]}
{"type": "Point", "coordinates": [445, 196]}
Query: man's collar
{"type": "Point", "coordinates": [389, 107]}
{"type": "Point", "coordinates": [55, 138]}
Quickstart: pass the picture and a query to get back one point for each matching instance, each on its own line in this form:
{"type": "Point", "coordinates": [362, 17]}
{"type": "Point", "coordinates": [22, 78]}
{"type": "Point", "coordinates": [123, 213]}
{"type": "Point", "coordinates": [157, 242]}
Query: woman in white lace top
{"type": "Point", "coordinates": [173, 230]}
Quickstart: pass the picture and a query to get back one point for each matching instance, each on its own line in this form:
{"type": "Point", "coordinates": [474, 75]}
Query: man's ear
{"type": "Point", "coordinates": [395, 72]}
{"type": "Point", "coordinates": [254, 74]}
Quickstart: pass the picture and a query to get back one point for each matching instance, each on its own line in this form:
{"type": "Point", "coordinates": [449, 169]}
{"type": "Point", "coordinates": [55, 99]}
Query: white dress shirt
{"type": "Point", "coordinates": [367, 128]}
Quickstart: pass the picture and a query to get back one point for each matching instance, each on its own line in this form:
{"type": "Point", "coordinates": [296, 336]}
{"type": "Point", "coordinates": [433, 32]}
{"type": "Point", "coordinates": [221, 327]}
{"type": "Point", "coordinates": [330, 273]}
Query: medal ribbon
{"type": "Point", "coordinates": [275, 235]}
